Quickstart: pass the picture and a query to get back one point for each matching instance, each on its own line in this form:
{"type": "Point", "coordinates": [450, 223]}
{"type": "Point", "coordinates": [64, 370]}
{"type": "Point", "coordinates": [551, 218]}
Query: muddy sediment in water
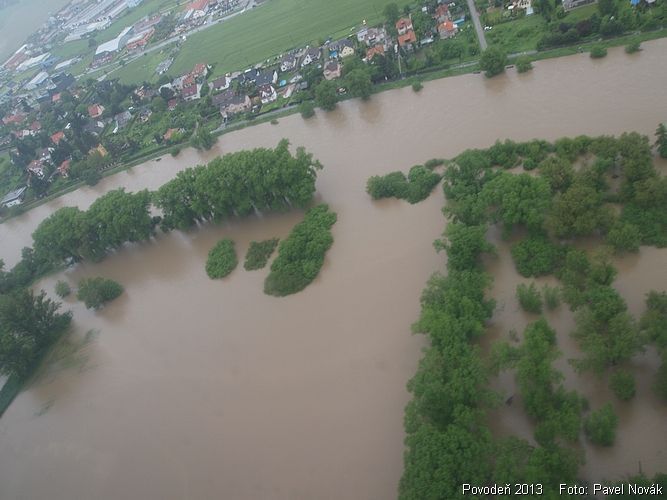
{"type": "Point", "coordinates": [190, 388]}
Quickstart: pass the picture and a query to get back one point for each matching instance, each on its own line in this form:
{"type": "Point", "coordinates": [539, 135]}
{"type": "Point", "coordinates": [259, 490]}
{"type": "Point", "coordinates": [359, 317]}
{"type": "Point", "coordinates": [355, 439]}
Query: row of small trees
{"type": "Point", "coordinates": [235, 185]}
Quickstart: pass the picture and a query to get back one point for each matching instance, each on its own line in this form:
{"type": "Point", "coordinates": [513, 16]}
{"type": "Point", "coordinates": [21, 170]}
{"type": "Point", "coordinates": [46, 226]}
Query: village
{"type": "Point", "coordinates": [57, 129]}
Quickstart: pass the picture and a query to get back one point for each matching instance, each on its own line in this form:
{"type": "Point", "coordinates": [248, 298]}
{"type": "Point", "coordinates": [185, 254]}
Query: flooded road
{"type": "Point", "coordinates": [190, 388]}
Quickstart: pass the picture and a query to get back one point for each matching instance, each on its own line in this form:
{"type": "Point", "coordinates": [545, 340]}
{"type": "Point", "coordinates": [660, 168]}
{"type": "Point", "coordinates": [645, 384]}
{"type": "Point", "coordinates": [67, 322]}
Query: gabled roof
{"type": "Point", "coordinates": [375, 51]}
{"type": "Point", "coordinates": [407, 38]}
{"type": "Point", "coordinates": [403, 23]}
{"type": "Point", "coordinates": [57, 137]}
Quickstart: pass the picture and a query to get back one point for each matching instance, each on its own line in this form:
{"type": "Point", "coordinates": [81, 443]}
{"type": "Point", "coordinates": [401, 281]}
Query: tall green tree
{"type": "Point", "coordinates": [661, 140]}
{"type": "Point", "coordinates": [493, 61]}
{"type": "Point", "coordinates": [359, 83]}
{"type": "Point", "coordinates": [29, 323]}
{"type": "Point", "coordinates": [326, 95]}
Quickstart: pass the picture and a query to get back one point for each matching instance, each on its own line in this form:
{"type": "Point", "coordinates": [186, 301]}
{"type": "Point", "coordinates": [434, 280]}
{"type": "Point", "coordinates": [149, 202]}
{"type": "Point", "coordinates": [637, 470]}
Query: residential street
{"type": "Point", "coordinates": [478, 25]}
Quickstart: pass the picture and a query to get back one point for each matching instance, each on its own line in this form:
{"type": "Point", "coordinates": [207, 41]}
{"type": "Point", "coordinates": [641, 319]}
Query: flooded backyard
{"type": "Point", "coordinates": [188, 388]}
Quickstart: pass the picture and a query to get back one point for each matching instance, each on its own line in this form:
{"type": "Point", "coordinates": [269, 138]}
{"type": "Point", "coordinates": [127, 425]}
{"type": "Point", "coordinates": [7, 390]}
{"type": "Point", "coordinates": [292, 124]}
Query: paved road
{"type": "Point", "coordinates": [478, 25]}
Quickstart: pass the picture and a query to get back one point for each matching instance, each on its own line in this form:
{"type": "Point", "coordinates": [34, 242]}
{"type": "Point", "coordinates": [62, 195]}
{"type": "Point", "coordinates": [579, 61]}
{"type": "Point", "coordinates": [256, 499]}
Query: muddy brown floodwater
{"type": "Point", "coordinates": [187, 388]}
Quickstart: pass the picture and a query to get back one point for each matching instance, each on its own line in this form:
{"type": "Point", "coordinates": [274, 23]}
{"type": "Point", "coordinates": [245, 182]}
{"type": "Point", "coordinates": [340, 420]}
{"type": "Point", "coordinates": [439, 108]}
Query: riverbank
{"type": "Point", "coordinates": [431, 75]}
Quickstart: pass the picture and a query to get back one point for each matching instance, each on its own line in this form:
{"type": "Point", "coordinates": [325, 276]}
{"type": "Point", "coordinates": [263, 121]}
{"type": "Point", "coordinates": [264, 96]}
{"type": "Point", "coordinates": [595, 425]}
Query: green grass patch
{"type": "Point", "coordinates": [259, 253]}
{"type": "Point", "coordinates": [517, 36]}
{"type": "Point", "coordinates": [581, 13]}
{"type": "Point", "coordinates": [221, 259]}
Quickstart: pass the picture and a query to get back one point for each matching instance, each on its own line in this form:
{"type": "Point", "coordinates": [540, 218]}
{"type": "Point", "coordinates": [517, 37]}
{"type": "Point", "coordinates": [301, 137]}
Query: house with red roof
{"type": "Point", "coordinates": [35, 126]}
{"type": "Point", "coordinates": [200, 71]}
{"type": "Point", "coordinates": [63, 168]}
{"type": "Point", "coordinates": [407, 40]}
{"type": "Point", "coordinates": [442, 14]}
{"type": "Point", "coordinates": [404, 25]}
{"type": "Point", "coordinates": [57, 137]}
{"type": "Point", "coordinates": [377, 50]}
{"type": "Point", "coordinates": [95, 111]}
{"type": "Point", "coordinates": [447, 29]}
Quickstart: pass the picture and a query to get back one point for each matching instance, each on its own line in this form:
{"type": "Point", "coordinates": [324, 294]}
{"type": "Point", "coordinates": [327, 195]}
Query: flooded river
{"type": "Point", "coordinates": [187, 388]}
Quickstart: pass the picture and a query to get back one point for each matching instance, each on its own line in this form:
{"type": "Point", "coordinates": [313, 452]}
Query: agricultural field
{"type": "Point", "coordinates": [274, 28]}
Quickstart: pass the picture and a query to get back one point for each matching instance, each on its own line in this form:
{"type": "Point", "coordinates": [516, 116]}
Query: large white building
{"type": "Point", "coordinates": [115, 45]}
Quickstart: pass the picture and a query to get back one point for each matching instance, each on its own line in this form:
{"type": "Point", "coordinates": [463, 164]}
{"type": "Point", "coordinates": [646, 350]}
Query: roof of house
{"type": "Point", "coordinates": [446, 26]}
{"type": "Point", "coordinates": [313, 52]}
{"type": "Point", "coordinates": [189, 91]}
{"type": "Point", "coordinates": [408, 37]}
{"type": "Point", "coordinates": [199, 69]}
{"type": "Point", "coordinates": [219, 83]}
{"type": "Point", "coordinates": [57, 137]}
{"type": "Point", "coordinates": [13, 195]}
{"type": "Point", "coordinates": [332, 66]}
{"type": "Point", "coordinates": [374, 51]}
{"type": "Point", "coordinates": [64, 166]}
{"type": "Point", "coordinates": [267, 90]}
{"type": "Point", "coordinates": [340, 44]}
{"type": "Point", "coordinates": [403, 23]}
{"type": "Point", "coordinates": [169, 133]}
{"type": "Point", "coordinates": [123, 118]}
{"type": "Point", "coordinates": [95, 110]}
{"type": "Point", "coordinates": [265, 77]}
{"type": "Point", "coordinates": [34, 126]}
{"type": "Point", "coordinates": [441, 10]}
{"type": "Point", "coordinates": [198, 5]}
{"type": "Point", "coordinates": [228, 98]}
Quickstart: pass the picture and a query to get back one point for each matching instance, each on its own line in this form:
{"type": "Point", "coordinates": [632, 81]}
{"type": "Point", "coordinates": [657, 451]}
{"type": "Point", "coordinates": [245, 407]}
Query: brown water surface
{"type": "Point", "coordinates": [190, 388]}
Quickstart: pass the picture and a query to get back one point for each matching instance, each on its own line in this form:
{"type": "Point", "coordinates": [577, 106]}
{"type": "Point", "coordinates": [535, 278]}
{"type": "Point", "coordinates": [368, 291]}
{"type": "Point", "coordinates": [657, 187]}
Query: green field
{"type": "Point", "coordinates": [267, 31]}
{"type": "Point", "coordinates": [517, 36]}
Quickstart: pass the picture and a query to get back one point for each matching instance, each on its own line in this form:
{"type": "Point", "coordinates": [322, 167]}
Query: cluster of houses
{"type": "Point", "coordinates": [232, 94]}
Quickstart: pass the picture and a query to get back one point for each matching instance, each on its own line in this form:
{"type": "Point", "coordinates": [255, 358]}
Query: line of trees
{"type": "Point", "coordinates": [301, 254]}
{"type": "Point", "coordinates": [238, 184]}
{"type": "Point", "coordinates": [234, 185]}
{"type": "Point", "coordinates": [415, 187]}
{"type": "Point", "coordinates": [259, 253]}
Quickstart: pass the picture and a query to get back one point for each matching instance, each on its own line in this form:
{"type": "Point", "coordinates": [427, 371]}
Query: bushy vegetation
{"type": "Point", "coordinates": [414, 188]}
{"type": "Point", "coordinates": [493, 61]}
{"type": "Point", "coordinates": [523, 64]}
{"type": "Point", "coordinates": [236, 185]}
{"type": "Point", "coordinates": [633, 47]}
{"type": "Point", "coordinates": [29, 324]}
{"type": "Point", "coordinates": [96, 292]}
{"type": "Point", "coordinates": [307, 109]}
{"type": "Point", "coordinates": [598, 51]}
{"type": "Point", "coordinates": [623, 384]}
{"type": "Point", "coordinates": [221, 259]}
{"type": "Point", "coordinates": [529, 298]}
{"type": "Point", "coordinates": [551, 297]}
{"type": "Point", "coordinates": [417, 86]}
{"type": "Point", "coordinates": [654, 327]}
{"type": "Point", "coordinates": [63, 289]}
{"type": "Point", "coordinates": [259, 253]}
{"type": "Point", "coordinates": [600, 426]}
{"type": "Point", "coordinates": [447, 439]}
{"type": "Point", "coordinates": [301, 254]}
{"type": "Point", "coordinates": [536, 255]}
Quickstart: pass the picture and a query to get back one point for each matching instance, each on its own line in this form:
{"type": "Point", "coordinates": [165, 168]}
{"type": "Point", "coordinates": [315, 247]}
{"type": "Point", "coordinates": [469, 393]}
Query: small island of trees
{"type": "Point", "coordinates": [301, 254]}
{"type": "Point", "coordinates": [96, 292]}
{"type": "Point", "coordinates": [259, 253]}
{"type": "Point", "coordinates": [221, 259]}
